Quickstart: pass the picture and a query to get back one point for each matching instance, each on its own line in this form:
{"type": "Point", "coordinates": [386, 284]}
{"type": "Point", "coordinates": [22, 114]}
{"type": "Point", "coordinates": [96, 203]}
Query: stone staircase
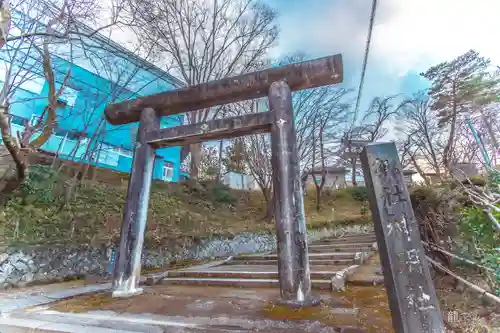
{"type": "Point", "coordinates": [333, 261]}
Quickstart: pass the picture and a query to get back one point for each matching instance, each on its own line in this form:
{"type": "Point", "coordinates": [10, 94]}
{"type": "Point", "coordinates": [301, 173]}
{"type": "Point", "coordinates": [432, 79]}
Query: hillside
{"type": "Point", "coordinates": [187, 211]}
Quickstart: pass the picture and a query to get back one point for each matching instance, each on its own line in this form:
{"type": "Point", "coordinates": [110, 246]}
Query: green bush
{"type": "Point", "coordinates": [357, 193]}
{"type": "Point", "coordinates": [477, 229]}
{"type": "Point", "coordinates": [423, 193]}
{"type": "Point", "coordinates": [342, 193]}
{"type": "Point", "coordinates": [475, 180]}
{"type": "Point", "coordinates": [475, 225]}
{"type": "Point", "coordinates": [328, 192]}
{"type": "Point", "coordinates": [222, 194]}
{"type": "Point", "coordinates": [364, 210]}
{"type": "Point", "coordinates": [42, 185]}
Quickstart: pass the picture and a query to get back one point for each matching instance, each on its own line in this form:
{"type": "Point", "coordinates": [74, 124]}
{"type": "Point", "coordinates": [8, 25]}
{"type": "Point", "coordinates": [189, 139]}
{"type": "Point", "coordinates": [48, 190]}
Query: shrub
{"type": "Point", "coordinates": [363, 210]}
{"type": "Point", "coordinates": [475, 180]}
{"type": "Point", "coordinates": [222, 193]}
{"type": "Point", "coordinates": [358, 193]}
{"type": "Point", "coordinates": [342, 193]}
{"type": "Point", "coordinates": [475, 225]}
{"type": "Point", "coordinates": [328, 192]}
{"type": "Point", "coordinates": [477, 229]}
{"type": "Point", "coordinates": [424, 196]}
{"type": "Point", "coordinates": [41, 185]}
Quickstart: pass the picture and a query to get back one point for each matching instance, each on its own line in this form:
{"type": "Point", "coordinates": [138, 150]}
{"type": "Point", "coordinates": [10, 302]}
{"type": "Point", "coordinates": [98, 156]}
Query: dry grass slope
{"type": "Point", "coordinates": [182, 212]}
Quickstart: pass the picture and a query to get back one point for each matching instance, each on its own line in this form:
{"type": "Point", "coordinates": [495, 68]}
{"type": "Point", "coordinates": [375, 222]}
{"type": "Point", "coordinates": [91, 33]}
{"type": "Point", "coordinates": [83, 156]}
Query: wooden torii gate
{"type": "Point", "coordinates": [278, 84]}
{"type": "Point", "coordinates": [412, 298]}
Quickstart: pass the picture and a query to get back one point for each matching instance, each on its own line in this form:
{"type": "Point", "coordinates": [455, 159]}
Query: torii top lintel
{"type": "Point", "coordinates": [299, 76]}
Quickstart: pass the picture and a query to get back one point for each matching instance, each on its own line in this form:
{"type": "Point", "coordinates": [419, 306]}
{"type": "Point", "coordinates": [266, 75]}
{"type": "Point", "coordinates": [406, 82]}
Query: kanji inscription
{"type": "Point", "coordinates": [412, 297]}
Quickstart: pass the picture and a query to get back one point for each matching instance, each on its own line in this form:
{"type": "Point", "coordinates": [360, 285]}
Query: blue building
{"type": "Point", "coordinates": [101, 72]}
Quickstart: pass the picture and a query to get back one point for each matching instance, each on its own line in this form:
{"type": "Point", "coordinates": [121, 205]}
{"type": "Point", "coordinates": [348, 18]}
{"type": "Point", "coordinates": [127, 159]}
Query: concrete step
{"type": "Point", "coordinates": [48, 321]}
{"type": "Point", "coordinates": [250, 274]}
{"type": "Point", "coordinates": [312, 256]}
{"type": "Point", "coordinates": [53, 321]}
{"type": "Point", "coordinates": [340, 249]}
{"type": "Point", "coordinates": [346, 240]}
{"type": "Point", "coordinates": [312, 262]}
{"type": "Point", "coordinates": [365, 280]}
{"type": "Point", "coordinates": [42, 325]}
{"type": "Point", "coordinates": [349, 247]}
{"type": "Point", "coordinates": [370, 234]}
{"type": "Point", "coordinates": [240, 283]}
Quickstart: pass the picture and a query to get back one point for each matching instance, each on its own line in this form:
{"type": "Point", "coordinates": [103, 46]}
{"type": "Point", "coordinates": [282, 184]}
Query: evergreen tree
{"type": "Point", "coordinates": [234, 159]}
{"type": "Point", "coordinates": [456, 86]}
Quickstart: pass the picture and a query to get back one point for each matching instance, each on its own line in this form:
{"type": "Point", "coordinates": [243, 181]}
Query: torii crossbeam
{"type": "Point", "coordinates": [278, 84]}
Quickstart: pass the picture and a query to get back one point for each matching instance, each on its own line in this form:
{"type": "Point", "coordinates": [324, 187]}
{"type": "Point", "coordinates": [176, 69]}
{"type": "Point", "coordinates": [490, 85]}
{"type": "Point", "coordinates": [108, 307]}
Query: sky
{"type": "Point", "coordinates": [408, 37]}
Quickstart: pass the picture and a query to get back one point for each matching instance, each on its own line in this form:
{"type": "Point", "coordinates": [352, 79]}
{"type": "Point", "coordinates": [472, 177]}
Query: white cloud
{"type": "Point", "coordinates": [408, 34]}
{"type": "Point", "coordinates": [419, 33]}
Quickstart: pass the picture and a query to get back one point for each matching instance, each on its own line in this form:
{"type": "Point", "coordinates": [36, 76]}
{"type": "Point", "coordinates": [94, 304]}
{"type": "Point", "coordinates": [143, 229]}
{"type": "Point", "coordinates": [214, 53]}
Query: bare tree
{"type": "Point", "coordinates": [258, 159]}
{"type": "Point", "coordinates": [318, 151]}
{"type": "Point", "coordinates": [321, 109]}
{"type": "Point", "coordinates": [376, 118]}
{"type": "Point", "coordinates": [373, 126]}
{"type": "Point", "coordinates": [424, 142]}
{"type": "Point", "coordinates": [209, 166]}
{"type": "Point", "coordinates": [425, 139]}
{"type": "Point", "coordinates": [207, 40]}
{"type": "Point", "coordinates": [319, 123]}
{"type": "Point", "coordinates": [20, 148]}
{"type": "Point", "coordinates": [46, 29]}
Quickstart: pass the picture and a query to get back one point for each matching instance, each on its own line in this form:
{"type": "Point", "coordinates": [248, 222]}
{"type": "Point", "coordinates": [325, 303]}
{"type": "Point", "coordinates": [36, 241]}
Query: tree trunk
{"type": "Point", "coordinates": [353, 163]}
{"type": "Point", "coordinates": [269, 199]}
{"type": "Point", "coordinates": [219, 175]}
{"type": "Point", "coordinates": [11, 185]}
{"type": "Point", "coordinates": [19, 156]}
{"type": "Point", "coordinates": [195, 160]}
{"type": "Point", "coordinates": [449, 145]}
{"type": "Point", "coordinates": [14, 182]}
{"type": "Point", "coordinates": [303, 183]}
{"type": "Point", "coordinates": [318, 198]}
{"type": "Point", "coordinates": [420, 171]}
{"type": "Point", "coordinates": [491, 132]}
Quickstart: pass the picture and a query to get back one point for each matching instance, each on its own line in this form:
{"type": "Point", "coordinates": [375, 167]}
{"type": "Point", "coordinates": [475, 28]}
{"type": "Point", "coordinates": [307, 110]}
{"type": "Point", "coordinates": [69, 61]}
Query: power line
{"type": "Point", "coordinates": [365, 60]}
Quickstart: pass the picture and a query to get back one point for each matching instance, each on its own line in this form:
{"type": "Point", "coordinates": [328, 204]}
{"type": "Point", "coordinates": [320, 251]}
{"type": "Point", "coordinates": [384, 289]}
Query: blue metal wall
{"type": "Point", "coordinates": [85, 114]}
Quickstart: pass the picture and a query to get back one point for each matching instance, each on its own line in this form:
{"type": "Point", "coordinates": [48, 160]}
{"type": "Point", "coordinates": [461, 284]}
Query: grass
{"type": "Point", "coordinates": [179, 214]}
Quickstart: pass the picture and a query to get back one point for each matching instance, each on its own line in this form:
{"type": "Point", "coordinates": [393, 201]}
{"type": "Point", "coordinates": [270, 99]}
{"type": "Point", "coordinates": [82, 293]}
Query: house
{"type": "Point", "coordinates": [463, 170]}
{"type": "Point", "coordinates": [112, 74]}
{"type": "Point", "coordinates": [408, 176]}
{"type": "Point", "coordinates": [433, 177]}
{"type": "Point", "coordinates": [240, 181]}
{"type": "Point", "coordinates": [360, 178]}
{"type": "Point", "coordinates": [334, 177]}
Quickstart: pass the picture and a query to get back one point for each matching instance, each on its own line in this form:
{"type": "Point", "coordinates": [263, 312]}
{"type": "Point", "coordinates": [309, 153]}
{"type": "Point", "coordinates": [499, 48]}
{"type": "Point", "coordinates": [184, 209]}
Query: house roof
{"type": "Point", "coordinates": [341, 170]}
{"type": "Point", "coordinates": [409, 172]}
{"type": "Point", "coordinates": [133, 57]}
{"type": "Point", "coordinates": [130, 56]}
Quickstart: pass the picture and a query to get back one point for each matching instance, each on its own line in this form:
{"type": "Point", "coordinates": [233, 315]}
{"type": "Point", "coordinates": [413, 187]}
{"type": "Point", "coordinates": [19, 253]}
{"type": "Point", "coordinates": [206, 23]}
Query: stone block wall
{"type": "Point", "coordinates": [20, 266]}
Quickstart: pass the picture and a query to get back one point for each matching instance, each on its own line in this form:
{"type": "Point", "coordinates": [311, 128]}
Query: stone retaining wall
{"type": "Point", "coordinates": [22, 266]}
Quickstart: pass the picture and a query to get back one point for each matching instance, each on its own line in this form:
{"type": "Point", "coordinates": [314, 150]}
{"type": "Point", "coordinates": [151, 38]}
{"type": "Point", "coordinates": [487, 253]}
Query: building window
{"type": "Point", "coordinates": [123, 152]}
{"type": "Point", "coordinates": [34, 120]}
{"type": "Point", "coordinates": [107, 155]}
{"type": "Point", "coordinates": [68, 96]}
{"type": "Point", "coordinates": [34, 85]}
{"type": "Point", "coordinates": [18, 120]}
{"type": "Point", "coordinates": [167, 173]}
